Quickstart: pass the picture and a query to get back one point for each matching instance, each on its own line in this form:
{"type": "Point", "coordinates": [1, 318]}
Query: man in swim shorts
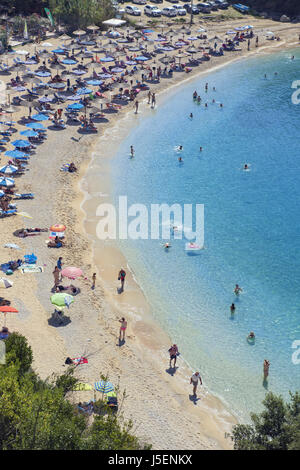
{"type": "Point", "coordinates": [194, 381]}
{"type": "Point", "coordinates": [173, 351]}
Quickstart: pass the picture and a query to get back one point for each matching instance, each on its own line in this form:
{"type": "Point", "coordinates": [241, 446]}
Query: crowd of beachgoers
{"type": "Point", "coordinates": [56, 94]}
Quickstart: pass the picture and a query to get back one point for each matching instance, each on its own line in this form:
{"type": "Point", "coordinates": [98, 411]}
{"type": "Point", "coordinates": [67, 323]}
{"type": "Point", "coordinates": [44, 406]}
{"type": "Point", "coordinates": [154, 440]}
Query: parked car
{"type": "Point", "coordinates": [169, 11]}
{"type": "Point", "coordinates": [140, 2]}
{"type": "Point", "coordinates": [152, 10]}
{"type": "Point", "coordinates": [204, 7]}
{"type": "Point", "coordinates": [180, 10]}
{"type": "Point", "coordinates": [156, 1]}
{"type": "Point", "coordinates": [172, 1]}
{"type": "Point", "coordinates": [188, 8]}
{"type": "Point", "coordinates": [132, 10]}
{"type": "Point", "coordinates": [222, 4]}
{"type": "Point", "coordinates": [213, 6]}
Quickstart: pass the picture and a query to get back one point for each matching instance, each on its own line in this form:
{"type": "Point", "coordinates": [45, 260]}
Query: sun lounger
{"type": "Point", "coordinates": [7, 213]}
{"type": "Point", "coordinates": [24, 196]}
{"type": "Point", "coordinates": [30, 268]}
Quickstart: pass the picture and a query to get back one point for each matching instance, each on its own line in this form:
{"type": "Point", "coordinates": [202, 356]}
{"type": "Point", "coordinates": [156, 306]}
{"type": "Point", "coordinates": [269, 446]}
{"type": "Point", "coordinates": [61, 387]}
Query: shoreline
{"type": "Point", "coordinates": [156, 402]}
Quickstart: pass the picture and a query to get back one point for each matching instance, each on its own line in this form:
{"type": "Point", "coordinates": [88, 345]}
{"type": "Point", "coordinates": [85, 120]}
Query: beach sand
{"type": "Point", "coordinates": [158, 403]}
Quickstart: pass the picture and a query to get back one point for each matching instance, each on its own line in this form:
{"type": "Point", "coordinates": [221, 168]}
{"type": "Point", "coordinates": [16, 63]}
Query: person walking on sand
{"type": "Point", "coordinates": [121, 277]}
{"type": "Point", "coordinates": [122, 329]}
{"type": "Point", "coordinates": [56, 276]}
{"type": "Point", "coordinates": [136, 106]}
{"type": "Point", "coordinates": [173, 351]}
{"type": "Point", "coordinates": [266, 368]}
{"type": "Point", "coordinates": [59, 264]}
{"type": "Point", "coordinates": [194, 381]}
{"type": "Point", "coordinates": [94, 281]}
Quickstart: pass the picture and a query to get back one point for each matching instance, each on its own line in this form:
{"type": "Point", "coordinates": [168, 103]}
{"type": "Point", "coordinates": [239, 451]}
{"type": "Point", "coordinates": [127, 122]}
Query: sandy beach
{"type": "Point", "coordinates": [157, 402]}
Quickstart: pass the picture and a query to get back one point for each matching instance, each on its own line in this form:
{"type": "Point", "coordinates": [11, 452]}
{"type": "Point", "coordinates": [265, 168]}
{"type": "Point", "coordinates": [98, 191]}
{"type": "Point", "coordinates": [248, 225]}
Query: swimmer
{"type": "Point", "coordinates": [201, 148]}
{"type": "Point", "coordinates": [213, 101]}
{"type": "Point", "coordinates": [195, 94]}
{"type": "Point", "coordinates": [206, 105]}
{"type": "Point", "coordinates": [237, 289]}
{"type": "Point", "coordinates": [251, 335]}
{"type": "Point", "coordinates": [167, 245]}
{"type": "Point", "coordinates": [191, 116]}
{"type": "Point", "coordinates": [232, 308]}
{"type": "Point", "coordinates": [293, 57]}
{"type": "Point", "coordinates": [180, 147]}
{"type": "Point", "coordinates": [246, 167]}
{"type": "Point", "coordinates": [180, 160]}
{"type": "Point", "coordinates": [199, 99]}
{"type": "Point", "coordinates": [221, 105]}
{"type": "Point", "coordinates": [206, 86]}
{"type": "Point", "coordinates": [214, 89]}
{"type": "Point", "coordinates": [265, 75]}
{"type": "Point", "coordinates": [131, 151]}
{"type": "Point", "coordinates": [266, 368]}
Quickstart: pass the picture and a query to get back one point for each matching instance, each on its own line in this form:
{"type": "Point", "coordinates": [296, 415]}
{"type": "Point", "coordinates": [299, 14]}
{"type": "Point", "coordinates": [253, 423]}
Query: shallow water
{"type": "Point", "coordinates": [251, 225]}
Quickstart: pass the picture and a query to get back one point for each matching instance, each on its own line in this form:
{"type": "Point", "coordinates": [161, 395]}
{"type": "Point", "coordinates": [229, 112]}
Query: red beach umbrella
{"type": "Point", "coordinates": [71, 272]}
{"type": "Point", "coordinates": [7, 309]}
{"type": "Point", "coordinates": [58, 228]}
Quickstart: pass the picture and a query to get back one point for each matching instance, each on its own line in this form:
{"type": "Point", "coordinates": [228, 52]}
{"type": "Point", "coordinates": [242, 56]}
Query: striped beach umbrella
{"type": "Point", "coordinates": [104, 386]}
{"type": "Point", "coordinates": [8, 169]}
{"type": "Point", "coordinates": [5, 283]}
{"type": "Point", "coordinates": [7, 182]}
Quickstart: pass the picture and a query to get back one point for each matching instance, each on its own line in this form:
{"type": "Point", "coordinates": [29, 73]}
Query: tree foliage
{"type": "Point", "coordinates": [35, 414]}
{"type": "Point", "coordinates": [276, 428]}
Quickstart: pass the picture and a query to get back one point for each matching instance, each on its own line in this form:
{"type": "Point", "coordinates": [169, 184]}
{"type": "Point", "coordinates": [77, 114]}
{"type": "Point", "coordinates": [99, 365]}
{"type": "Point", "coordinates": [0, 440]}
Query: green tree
{"type": "Point", "coordinates": [276, 428]}
{"type": "Point", "coordinates": [18, 352]}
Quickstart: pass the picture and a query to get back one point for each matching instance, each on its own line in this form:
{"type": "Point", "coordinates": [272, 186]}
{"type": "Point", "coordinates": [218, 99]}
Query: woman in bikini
{"type": "Point", "coordinates": [122, 328]}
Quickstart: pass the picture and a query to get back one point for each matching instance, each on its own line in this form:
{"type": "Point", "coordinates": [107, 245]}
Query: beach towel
{"type": "Point", "coordinates": [31, 268]}
{"type": "Point", "coordinates": [79, 360]}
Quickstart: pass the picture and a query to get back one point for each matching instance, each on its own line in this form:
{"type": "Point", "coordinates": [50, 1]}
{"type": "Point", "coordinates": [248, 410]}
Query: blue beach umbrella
{"type": "Point", "coordinates": [117, 70]}
{"type": "Point", "coordinates": [59, 51]}
{"type": "Point", "coordinates": [40, 117]}
{"type": "Point", "coordinates": [84, 91]}
{"type": "Point", "coordinates": [75, 106]}
{"type": "Point", "coordinates": [142, 58]}
{"type": "Point", "coordinates": [147, 31]}
{"type": "Point", "coordinates": [36, 125]}
{"type": "Point", "coordinates": [46, 99]}
{"type": "Point", "coordinates": [105, 75]}
{"type": "Point", "coordinates": [104, 386]}
{"type": "Point", "coordinates": [130, 62]}
{"type": "Point", "coordinates": [16, 154]}
{"type": "Point", "coordinates": [43, 74]}
{"type": "Point", "coordinates": [29, 133]}
{"type": "Point", "coordinates": [69, 61]}
{"type": "Point", "coordinates": [57, 86]}
{"type": "Point", "coordinates": [94, 82]}
{"type": "Point", "coordinates": [107, 59]}
{"type": "Point", "coordinates": [78, 72]}
{"type": "Point", "coordinates": [8, 169]}
{"type": "Point", "coordinates": [7, 182]}
{"type": "Point", "coordinates": [21, 143]}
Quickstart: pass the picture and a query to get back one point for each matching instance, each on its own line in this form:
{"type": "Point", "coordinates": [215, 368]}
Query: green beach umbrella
{"type": "Point", "coordinates": [62, 300]}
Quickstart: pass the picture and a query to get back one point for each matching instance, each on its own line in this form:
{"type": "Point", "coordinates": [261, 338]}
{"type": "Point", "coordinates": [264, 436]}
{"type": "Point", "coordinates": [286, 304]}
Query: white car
{"type": "Point", "coordinates": [169, 11]}
{"type": "Point", "coordinates": [151, 10]}
{"type": "Point", "coordinates": [180, 10]}
{"type": "Point", "coordinates": [132, 10]}
{"type": "Point", "coordinates": [139, 2]}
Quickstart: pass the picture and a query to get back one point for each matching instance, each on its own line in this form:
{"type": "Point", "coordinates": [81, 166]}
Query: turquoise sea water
{"type": "Point", "coordinates": [252, 225]}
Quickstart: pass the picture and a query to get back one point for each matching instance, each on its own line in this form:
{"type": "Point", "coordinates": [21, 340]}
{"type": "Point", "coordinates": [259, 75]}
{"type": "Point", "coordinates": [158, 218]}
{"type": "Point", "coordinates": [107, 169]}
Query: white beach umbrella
{"type": "Point", "coordinates": [5, 283]}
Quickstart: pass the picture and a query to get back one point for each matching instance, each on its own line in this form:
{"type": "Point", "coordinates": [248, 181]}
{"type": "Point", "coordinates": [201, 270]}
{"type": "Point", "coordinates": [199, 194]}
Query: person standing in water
{"type": "Point", "coordinates": [173, 351]}
{"type": "Point", "coordinates": [194, 380]}
{"type": "Point", "coordinates": [136, 106]}
{"type": "Point", "coordinates": [237, 289]}
{"type": "Point", "coordinates": [131, 151]}
{"type": "Point", "coordinates": [232, 308]}
{"type": "Point", "coordinates": [266, 369]}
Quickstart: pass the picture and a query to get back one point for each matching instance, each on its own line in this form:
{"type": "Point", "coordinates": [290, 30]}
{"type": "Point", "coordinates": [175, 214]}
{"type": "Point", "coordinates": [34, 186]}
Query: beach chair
{"type": "Point", "coordinates": [24, 196]}
{"type": "Point", "coordinates": [8, 212]}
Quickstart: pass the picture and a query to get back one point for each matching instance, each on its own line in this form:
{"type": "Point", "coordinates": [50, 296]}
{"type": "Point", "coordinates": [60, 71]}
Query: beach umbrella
{"type": "Point", "coordinates": [69, 61]}
{"type": "Point", "coordinates": [201, 30]}
{"type": "Point", "coordinates": [21, 143]}
{"type": "Point", "coordinates": [7, 182]}
{"type": "Point", "coordinates": [5, 283]}
{"type": "Point", "coordinates": [59, 51]}
{"type": "Point", "coordinates": [71, 272]}
{"type": "Point", "coordinates": [93, 27]}
{"type": "Point", "coordinates": [117, 70]}
{"type": "Point", "coordinates": [103, 386]}
{"type": "Point", "coordinates": [45, 99]}
{"type": "Point", "coordinates": [94, 82]}
{"type": "Point", "coordinates": [64, 37]}
{"type": "Point", "coordinates": [8, 169]}
{"type": "Point", "coordinates": [40, 117]}
{"type": "Point", "coordinates": [79, 32]}
{"type": "Point", "coordinates": [57, 86]}
{"type": "Point", "coordinates": [107, 59]}
{"type": "Point", "coordinates": [43, 73]}
{"type": "Point", "coordinates": [7, 309]}
{"type": "Point", "coordinates": [84, 91]}
{"type": "Point", "coordinates": [142, 58]}
{"type": "Point", "coordinates": [79, 71]}
{"type": "Point", "coordinates": [20, 67]}
{"type": "Point", "coordinates": [29, 104]}
{"type": "Point", "coordinates": [11, 109]}
{"type": "Point", "coordinates": [16, 154]}
{"type": "Point", "coordinates": [58, 228]}
{"type": "Point", "coordinates": [29, 133]}
{"type": "Point", "coordinates": [61, 299]}
{"type": "Point", "coordinates": [75, 106]}
{"type": "Point", "coordinates": [36, 125]}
